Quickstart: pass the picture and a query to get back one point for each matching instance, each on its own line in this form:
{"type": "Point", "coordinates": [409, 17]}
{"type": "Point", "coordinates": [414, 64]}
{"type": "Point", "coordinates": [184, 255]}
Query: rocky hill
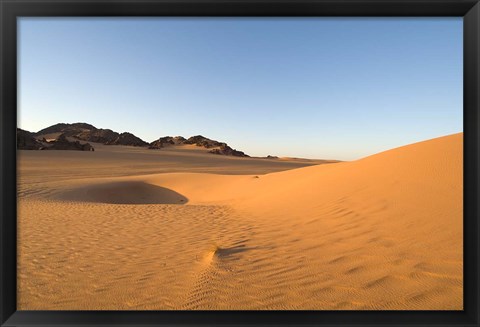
{"type": "Point", "coordinates": [217, 147]}
{"type": "Point", "coordinates": [166, 141]}
{"type": "Point", "coordinates": [50, 137]}
{"type": "Point", "coordinates": [89, 133]}
{"type": "Point", "coordinates": [200, 140]}
{"type": "Point", "coordinates": [27, 141]}
{"type": "Point", "coordinates": [127, 139]}
{"type": "Point", "coordinates": [97, 135]}
{"type": "Point", "coordinates": [67, 129]}
{"type": "Point", "coordinates": [228, 151]}
{"type": "Point", "coordinates": [61, 143]}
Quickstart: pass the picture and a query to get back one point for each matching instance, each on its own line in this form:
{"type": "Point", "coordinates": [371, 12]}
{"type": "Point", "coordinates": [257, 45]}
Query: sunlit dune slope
{"type": "Point", "coordinates": [383, 232]}
{"type": "Point", "coordinates": [396, 207]}
{"type": "Point", "coordinates": [421, 176]}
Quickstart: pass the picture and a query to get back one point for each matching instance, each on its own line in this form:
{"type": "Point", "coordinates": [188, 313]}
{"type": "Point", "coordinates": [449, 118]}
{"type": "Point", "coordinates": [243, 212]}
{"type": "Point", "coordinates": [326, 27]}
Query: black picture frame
{"type": "Point", "coordinates": [10, 10]}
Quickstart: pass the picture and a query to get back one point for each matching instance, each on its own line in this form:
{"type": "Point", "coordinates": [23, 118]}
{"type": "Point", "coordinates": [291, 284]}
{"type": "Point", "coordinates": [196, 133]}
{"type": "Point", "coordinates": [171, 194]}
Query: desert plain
{"type": "Point", "coordinates": [127, 228]}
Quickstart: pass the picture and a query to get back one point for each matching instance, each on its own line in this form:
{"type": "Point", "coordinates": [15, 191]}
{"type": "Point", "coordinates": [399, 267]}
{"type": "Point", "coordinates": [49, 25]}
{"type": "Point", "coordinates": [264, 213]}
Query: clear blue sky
{"type": "Point", "coordinates": [336, 88]}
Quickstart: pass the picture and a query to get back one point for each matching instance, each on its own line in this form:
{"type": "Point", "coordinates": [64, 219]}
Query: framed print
{"type": "Point", "coordinates": [239, 163]}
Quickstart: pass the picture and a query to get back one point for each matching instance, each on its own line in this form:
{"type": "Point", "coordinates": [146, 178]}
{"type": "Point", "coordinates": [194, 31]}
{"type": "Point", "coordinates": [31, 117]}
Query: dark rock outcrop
{"type": "Point", "coordinates": [220, 148]}
{"type": "Point", "coordinates": [97, 135]}
{"type": "Point", "coordinates": [67, 129]}
{"type": "Point", "coordinates": [228, 151]}
{"type": "Point", "coordinates": [61, 143]}
{"type": "Point", "coordinates": [27, 141]}
{"type": "Point", "coordinates": [166, 141]}
{"type": "Point", "coordinates": [127, 139]}
{"type": "Point", "coordinates": [200, 140]}
{"type": "Point", "coordinates": [90, 133]}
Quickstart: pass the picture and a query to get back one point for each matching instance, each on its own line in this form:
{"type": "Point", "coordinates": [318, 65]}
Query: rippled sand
{"type": "Point", "coordinates": [131, 229]}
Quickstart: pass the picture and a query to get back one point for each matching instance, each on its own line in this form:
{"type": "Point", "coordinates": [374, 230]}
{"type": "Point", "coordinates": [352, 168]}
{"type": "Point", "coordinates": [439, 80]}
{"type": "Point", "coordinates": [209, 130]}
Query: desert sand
{"type": "Point", "coordinates": [124, 228]}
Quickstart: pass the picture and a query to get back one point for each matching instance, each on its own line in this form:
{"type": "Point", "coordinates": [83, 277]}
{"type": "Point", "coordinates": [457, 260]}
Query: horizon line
{"type": "Point", "coordinates": [264, 156]}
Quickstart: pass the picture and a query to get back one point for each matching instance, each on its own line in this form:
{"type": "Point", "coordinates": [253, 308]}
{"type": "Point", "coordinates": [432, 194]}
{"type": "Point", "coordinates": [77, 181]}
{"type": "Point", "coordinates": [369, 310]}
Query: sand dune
{"type": "Point", "coordinates": [383, 232]}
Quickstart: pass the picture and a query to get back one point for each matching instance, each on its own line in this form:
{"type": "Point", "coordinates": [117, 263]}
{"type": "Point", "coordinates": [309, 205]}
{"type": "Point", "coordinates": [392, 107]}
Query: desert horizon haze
{"type": "Point", "coordinates": [182, 163]}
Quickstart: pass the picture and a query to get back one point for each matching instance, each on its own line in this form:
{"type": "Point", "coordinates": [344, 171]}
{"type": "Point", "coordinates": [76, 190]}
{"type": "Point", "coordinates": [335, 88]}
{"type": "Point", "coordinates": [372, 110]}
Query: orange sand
{"type": "Point", "coordinates": [131, 229]}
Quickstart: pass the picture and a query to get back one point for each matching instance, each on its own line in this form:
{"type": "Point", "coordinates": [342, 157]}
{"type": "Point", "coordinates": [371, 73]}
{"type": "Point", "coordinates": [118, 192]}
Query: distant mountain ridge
{"type": "Point", "coordinates": [221, 148]}
{"type": "Point", "coordinates": [68, 129]}
{"type": "Point", "coordinates": [27, 141]}
{"type": "Point", "coordinates": [89, 133]}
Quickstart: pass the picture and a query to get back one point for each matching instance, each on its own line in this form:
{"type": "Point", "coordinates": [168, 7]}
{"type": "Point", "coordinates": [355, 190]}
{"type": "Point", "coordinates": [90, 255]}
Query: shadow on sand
{"type": "Point", "coordinates": [130, 192]}
{"type": "Point", "coordinates": [231, 251]}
